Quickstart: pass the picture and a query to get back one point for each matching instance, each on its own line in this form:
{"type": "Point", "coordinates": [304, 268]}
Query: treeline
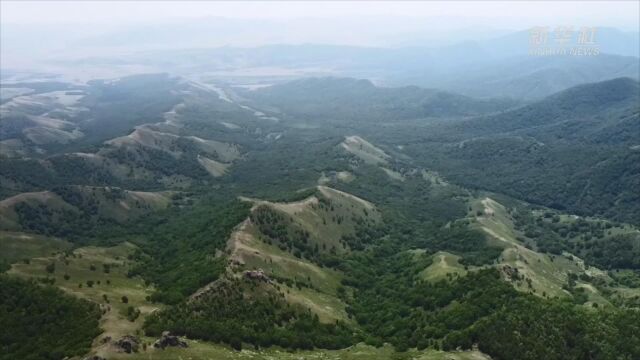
{"type": "Point", "coordinates": [278, 230]}
{"type": "Point", "coordinates": [414, 198]}
{"type": "Point", "coordinates": [584, 179]}
{"type": "Point", "coordinates": [598, 242]}
{"type": "Point", "coordinates": [159, 162]}
{"type": "Point", "coordinates": [42, 323]}
{"type": "Point", "coordinates": [68, 223]}
{"type": "Point", "coordinates": [62, 170]}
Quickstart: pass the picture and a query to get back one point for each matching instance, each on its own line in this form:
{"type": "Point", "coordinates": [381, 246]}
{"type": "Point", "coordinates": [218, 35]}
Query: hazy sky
{"type": "Point", "coordinates": [37, 31]}
{"type": "Point", "coordinates": [46, 35]}
{"type": "Point", "coordinates": [498, 14]}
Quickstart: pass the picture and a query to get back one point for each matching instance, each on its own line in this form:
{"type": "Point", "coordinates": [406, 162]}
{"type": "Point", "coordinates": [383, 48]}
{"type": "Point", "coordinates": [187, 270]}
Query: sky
{"type": "Point", "coordinates": [35, 31]}
{"type": "Point", "coordinates": [498, 14]}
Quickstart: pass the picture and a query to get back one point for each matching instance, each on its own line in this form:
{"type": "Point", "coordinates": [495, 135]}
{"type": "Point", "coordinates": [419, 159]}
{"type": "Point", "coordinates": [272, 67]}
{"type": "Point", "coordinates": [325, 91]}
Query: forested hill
{"type": "Point", "coordinates": [327, 221]}
{"type": "Point", "coordinates": [576, 150]}
{"type": "Point", "coordinates": [577, 112]}
{"type": "Point", "coordinates": [349, 99]}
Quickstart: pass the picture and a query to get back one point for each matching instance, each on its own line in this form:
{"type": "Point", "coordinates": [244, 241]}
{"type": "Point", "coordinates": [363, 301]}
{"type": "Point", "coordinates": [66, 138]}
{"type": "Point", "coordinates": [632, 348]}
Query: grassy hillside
{"type": "Point", "coordinates": [204, 351]}
{"type": "Point", "coordinates": [74, 210]}
{"type": "Point", "coordinates": [16, 246]}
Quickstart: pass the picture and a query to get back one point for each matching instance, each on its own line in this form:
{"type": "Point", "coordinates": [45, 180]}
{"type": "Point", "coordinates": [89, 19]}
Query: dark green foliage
{"type": "Point", "coordinates": [572, 114]}
{"type": "Point", "coordinates": [571, 151]}
{"type": "Point", "coordinates": [325, 99]}
{"type": "Point", "coordinates": [618, 251]}
{"type": "Point", "coordinates": [592, 240]}
{"type": "Point", "coordinates": [132, 313]}
{"type": "Point", "coordinates": [532, 328]}
{"type": "Point", "coordinates": [179, 247]}
{"type": "Point", "coordinates": [26, 175]}
{"type": "Point", "coordinates": [278, 229]}
{"type": "Point", "coordinates": [59, 171]}
{"type": "Point", "coordinates": [160, 162]}
{"type": "Point", "coordinates": [249, 311]}
{"type": "Point", "coordinates": [64, 222]}
{"type": "Point", "coordinates": [630, 279]}
{"type": "Point", "coordinates": [290, 164]}
{"type": "Point", "coordinates": [41, 322]}
{"type": "Point", "coordinates": [117, 107]}
{"type": "Point", "coordinates": [394, 305]}
{"type": "Point", "coordinates": [414, 198]}
{"type": "Point", "coordinates": [415, 212]}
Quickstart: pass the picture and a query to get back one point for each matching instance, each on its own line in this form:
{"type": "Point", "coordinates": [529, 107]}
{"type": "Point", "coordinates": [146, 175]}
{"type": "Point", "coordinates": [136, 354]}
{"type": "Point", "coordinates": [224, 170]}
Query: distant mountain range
{"type": "Point", "coordinates": [475, 63]}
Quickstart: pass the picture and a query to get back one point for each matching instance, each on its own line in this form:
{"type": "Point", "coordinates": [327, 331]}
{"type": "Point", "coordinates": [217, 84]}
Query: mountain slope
{"type": "Point", "coordinates": [65, 210]}
{"type": "Point", "coordinates": [528, 77]}
{"type": "Point", "coordinates": [574, 150]}
{"type": "Point", "coordinates": [359, 100]}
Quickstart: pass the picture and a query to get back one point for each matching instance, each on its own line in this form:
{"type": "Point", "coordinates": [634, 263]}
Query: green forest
{"type": "Point", "coordinates": [323, 215]}
{"type": "Point", "coordinates": [41, 322]}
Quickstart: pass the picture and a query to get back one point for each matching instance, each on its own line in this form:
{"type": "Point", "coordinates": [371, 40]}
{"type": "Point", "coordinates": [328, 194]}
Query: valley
{"type": "Point", "coordinates": [402, 231]}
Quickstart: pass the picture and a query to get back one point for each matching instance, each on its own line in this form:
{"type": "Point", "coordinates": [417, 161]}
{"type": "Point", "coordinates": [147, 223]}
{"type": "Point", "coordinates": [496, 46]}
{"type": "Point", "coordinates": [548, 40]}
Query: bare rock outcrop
{"type": "Point", "coordinates": [256, 275]}
{"type": "Point", "coordinates": [128, 344]}
{"type": "Point", "coordinates": [167, 340]}
{"type": "Point", "coordinates": [512, 273]}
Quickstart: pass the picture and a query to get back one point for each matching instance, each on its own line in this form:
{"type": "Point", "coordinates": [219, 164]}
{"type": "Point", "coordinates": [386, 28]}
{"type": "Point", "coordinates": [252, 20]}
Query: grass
{"type": "Point", "coordinates": [214, 168]}
{"type": "Point", "coordinates": [198, 350]}
{"type": "Point", "coordinates": [546, 273]}
{"type": "Point", "coordinates": [256, 254]}
{"type": "Point", "coordinates": [321, 299]}
{"type": "Point", "coordinates": [115, 324]}
{"type": "Point", "coordinates": [121, 207]}
{"type": "Point", "coordinates": [444, 265]}
{"type": "Point", "coordinates": [328, 307]}
{"type": "Point", "coordinates": [88, 264]}
{"type": "Point", "coordinates": [364, 150]}
{"type": "Point", "coordinates": [593, 295]}
{"type": "Point", "coordinates": [132, 204]}
{"type": "Point", "coordinates": [247, 249]}
{"type": "Point", "coordinates": [321, 222]}
{"type": "Point", "coordinates": [434, 178]}
{"type": "Point", "coordinates": [394, 175]}
{"type": "Point", "coordinates": [15, 246]}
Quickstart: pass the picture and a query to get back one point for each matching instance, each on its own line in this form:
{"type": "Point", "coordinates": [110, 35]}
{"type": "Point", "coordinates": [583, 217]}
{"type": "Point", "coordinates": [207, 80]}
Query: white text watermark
{"type": "Point", "coordinates": [563, 40]}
